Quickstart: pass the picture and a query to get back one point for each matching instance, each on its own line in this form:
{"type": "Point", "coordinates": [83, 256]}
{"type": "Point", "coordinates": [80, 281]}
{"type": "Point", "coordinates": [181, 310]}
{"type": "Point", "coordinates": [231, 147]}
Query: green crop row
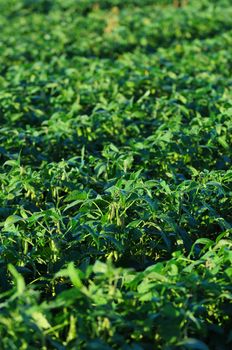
{"type": "Point", "coordinates": [116, 178]}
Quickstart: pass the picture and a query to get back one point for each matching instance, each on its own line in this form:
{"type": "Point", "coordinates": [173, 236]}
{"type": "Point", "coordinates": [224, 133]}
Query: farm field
{"type": "Point", "coordinates": [116, 178]}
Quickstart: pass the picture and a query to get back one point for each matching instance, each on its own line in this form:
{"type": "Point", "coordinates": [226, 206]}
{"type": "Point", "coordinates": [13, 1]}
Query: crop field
{"type": "Point", "coordinates": [115, 173]}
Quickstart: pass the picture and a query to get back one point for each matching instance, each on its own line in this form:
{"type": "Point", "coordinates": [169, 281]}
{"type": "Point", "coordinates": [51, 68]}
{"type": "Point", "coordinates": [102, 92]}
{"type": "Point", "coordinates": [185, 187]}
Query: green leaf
{"type": "Point", "coordinates": [195, 344]}
{"type": "Point", "coordinates": [74, 275]}
{"type": "Point", "coordinates": [77, 196]}
{"type": "Point", "coordinates": [12, 219]}
{"type": "Point", "coordinates": [40, 320]}
{"type": "Point", "coordinates": [18, 278]}
{"type": "Point", "coordinates": [223, 142]}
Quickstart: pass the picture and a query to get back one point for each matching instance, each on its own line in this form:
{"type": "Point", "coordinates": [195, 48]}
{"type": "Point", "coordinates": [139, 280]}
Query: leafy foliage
{"type": "Point", "coordinates": [116, 179]}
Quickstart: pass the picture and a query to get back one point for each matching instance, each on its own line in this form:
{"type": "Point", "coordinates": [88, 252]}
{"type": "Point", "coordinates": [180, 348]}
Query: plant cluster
{"type": "Point", "coordinates": [116, 178]}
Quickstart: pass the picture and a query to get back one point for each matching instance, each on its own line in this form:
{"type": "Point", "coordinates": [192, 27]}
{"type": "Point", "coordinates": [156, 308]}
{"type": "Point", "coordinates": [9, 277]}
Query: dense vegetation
{"type": "Point", "coordinates": [116, 179]}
